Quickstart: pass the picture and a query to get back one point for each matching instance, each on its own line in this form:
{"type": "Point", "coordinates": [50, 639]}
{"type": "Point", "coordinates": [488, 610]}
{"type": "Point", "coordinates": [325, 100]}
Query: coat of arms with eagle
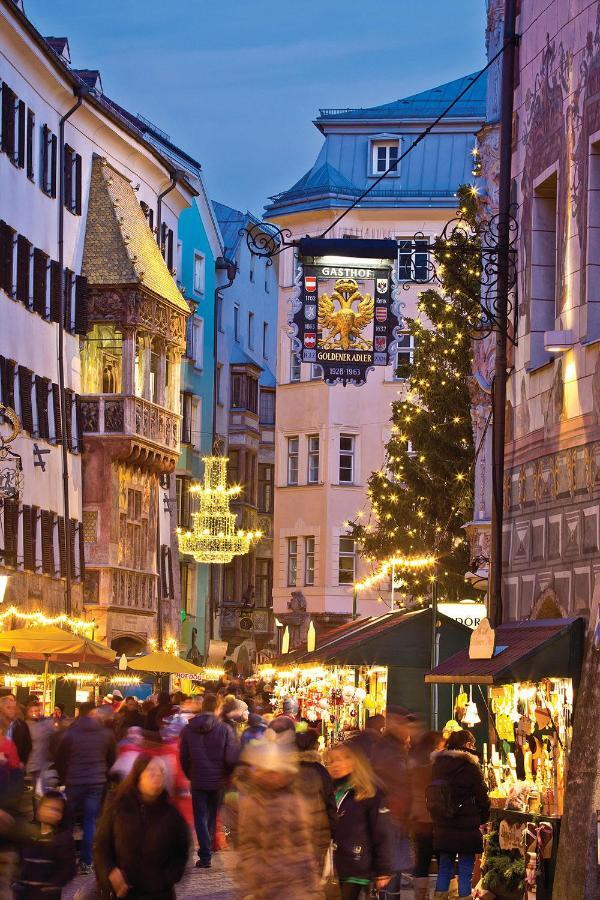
{"type": "Point", "coordinates": [346, 324]}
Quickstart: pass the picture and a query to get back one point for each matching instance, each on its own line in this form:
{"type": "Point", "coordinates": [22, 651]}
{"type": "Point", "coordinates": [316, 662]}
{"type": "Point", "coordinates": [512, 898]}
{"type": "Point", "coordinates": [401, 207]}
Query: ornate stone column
{"type": "Point", "coordinates": [128, 361]}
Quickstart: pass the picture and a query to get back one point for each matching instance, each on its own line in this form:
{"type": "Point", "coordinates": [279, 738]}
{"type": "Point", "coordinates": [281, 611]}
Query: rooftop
{"type": "Point", "coordinates": [119, 246]}
{"type": "Point", "coordinates": [427, 104]}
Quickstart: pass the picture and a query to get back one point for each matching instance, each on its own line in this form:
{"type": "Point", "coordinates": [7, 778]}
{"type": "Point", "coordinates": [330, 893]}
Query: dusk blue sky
{"type": "Point", "coordinates": [237, 83]}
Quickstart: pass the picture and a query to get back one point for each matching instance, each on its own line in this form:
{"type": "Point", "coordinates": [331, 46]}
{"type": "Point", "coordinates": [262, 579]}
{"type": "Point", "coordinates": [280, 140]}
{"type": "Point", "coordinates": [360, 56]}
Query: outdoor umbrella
{"type": "Point", "coordinates": [48, 642]}
{"type": "Point", "coordinates": [162, 663]}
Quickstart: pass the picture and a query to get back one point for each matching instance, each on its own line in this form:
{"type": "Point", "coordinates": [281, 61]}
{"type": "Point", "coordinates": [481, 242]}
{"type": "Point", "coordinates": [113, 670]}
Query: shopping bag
{"type": "Point", "coordinates": [329, 880]}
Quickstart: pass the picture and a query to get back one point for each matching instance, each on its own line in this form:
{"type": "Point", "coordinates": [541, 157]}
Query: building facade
{"type": "Point", "coordinates": [247, 346]}
{"type": "Point", "coordinates": [122, 303]}
{"type": "Point", "coordinates": [330, 439]}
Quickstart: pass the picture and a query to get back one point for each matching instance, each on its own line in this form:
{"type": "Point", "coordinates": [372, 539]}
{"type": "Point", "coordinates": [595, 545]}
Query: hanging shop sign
{"type": "Point", "coordinates": [466, 612]}
{"type": "Point", "coordinates": [345, 316]}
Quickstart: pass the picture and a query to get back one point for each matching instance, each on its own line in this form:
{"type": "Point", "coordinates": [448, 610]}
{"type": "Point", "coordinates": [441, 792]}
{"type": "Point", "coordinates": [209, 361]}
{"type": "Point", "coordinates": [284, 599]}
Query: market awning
{"type": "Point", "coordinates": [525, 651]}
{"type": "Point", "coordinates": [400, 639]}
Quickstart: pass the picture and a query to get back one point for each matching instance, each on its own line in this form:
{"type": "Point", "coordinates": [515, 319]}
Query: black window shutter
{"type": "Point", "coordinates": [163, 571]}
{"type": "Point", "coordinates": [69, 408]}
{"type": "Point", "coordinates": [47, 524]}
{"type": "Point", "coordinates": [170, 571]}
{"type": "Point", "coordinates": [11, 531]}
{"type": "Point", "coordinates": [78, 423]}
{"type": "Point", "coordinates": [25, 385]}
{"type": "Point", "coordinates": [40, 281]}
{"type": "Point", "coordinates": [8, 121]}
{"type": "Point", "coordinates": [34, 519]}
{"type": "Point", "coordinates": [54, 291]}
{"type": "Point", "coordinates": [68, 298]}
{"type": "Point", "coordinates": [62, 547]}
{"type": "Point", "coordinates": [81, 318]}
{"type": "Point", "coordinates": [170, 249]}
{"type": "Point", "coordinates": [23, 257]}
{"type": "Point", "coordinates": [53, 156]}
{"type": "Point", "coordinates": [68, 176]}
{"type": "Point", "coordinates": [77, 204]}
{"type": "Point", "coordinates": [7, 250]}
{"type": "Point", "coordinates": [44, 159]}
{"type": "Point", "coordinates": [28, 553]}
{"type": "Point", "coordinates": [72, 537]}
{"type": "Point", "coordinates": [21, 136]}
{"type": "Point", "coordinates": [7, 373]}
{"type": "Point", "coordinates": [81, 552]}
{"type": "Point", "coordinates": [57, 418]}
{"type": "Point", "coordinates": [42, 386]}
{"type": "Point", "coordinates": [30, 138]}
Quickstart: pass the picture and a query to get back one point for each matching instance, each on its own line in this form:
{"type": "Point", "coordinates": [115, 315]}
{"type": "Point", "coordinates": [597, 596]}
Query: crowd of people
{"type": "Point", "coordinates": [123, 789]}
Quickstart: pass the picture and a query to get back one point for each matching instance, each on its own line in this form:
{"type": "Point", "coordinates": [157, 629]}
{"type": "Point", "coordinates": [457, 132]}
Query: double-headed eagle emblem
{"type": "Point", "coordinates": [345, 325]}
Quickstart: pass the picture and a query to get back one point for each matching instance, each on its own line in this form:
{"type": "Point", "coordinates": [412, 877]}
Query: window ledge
{"type": "Point", "coordinates": [536, 367]}
{"type": "Point", "coordinates": [589, 341]}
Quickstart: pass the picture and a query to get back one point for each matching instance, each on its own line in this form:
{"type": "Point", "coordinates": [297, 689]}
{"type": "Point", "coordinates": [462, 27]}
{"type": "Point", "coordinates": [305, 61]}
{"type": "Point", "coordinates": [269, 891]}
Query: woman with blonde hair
{"type": "Point", "coordinates": [364, 834]}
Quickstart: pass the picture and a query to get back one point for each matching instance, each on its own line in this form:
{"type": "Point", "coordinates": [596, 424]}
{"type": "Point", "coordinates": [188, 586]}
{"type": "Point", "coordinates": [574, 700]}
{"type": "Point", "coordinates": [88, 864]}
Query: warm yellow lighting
{"type": "Point", "coordinates": [408, 563]}
{"type": "Point", "coordinates": [77, 626]}
{"type": "Point", "coordinates": [212, 673]}
{"type": "Point", "coordinates": [215, 537]}
{"type": "Point", "coordinates": [125, 679]}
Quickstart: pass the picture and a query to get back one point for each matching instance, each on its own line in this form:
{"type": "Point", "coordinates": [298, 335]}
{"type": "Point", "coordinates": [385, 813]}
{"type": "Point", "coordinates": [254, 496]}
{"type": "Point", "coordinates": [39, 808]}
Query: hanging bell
{"type": "Point", "coordinates": [471, 716]}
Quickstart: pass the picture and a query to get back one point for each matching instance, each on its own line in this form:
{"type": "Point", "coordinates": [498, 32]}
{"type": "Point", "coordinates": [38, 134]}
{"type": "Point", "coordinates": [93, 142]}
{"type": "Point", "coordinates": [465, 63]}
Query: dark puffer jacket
{"type": "Point", "coordinates": [315, 786]}
{"type": "Point", "coordinates": [208, 751]}
{"type": "Point", "coordinates": [47, 864]}
{"type": "Point", "coordinates": [149, 842]}
{"type": "Point", "coordinates": [461, 834]}
{"type": "Point", "coordinates": [364, 841]}
{"type": "Point", "coordinates": [85, 753]}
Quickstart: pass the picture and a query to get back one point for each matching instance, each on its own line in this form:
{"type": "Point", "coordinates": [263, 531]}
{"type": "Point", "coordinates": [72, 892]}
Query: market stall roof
{"type": "Point", "coordinates": [48, 642]}
{"type": "Point", "coordinates": [525, 651]}
{"type": "Point", "coordinates": [401, 639]}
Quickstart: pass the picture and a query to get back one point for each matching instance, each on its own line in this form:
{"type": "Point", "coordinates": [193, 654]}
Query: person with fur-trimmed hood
{"type": "Point", "coordinates": [272, 828]}
{"type": "Point", "coordinates": [457, 784]}
{"type": "Point", "coordinates": [315, 785]}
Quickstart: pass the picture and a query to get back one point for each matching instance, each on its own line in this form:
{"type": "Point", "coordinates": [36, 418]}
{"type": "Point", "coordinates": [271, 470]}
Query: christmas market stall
{"type": "Point", "coordinates": [515, 686]}
{"type": "Point", "coordinates": [365, 666]}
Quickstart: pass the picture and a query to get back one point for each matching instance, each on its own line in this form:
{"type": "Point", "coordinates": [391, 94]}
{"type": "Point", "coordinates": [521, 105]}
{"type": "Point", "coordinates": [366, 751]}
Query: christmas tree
{"type": "Point", "coordinates": [422, 498]}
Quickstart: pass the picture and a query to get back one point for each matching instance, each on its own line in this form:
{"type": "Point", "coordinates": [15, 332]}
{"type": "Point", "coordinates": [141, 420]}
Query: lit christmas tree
{"type": "Point", "coordinates": [422, 498]}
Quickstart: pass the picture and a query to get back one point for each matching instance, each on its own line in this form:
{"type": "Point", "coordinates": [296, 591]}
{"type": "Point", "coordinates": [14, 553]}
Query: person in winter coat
{"type": "Point", "coordinates": [41, 731]}
{"type": "Point", "coordinates": [255, 730]}
{"type": "Point", "coordinates": [364, 837]}
{"type": "Point", "coordinates": [47, 853]}
{"type": "Point", "coordinates": [419, 779]}
{"type": "Point", "coordinates": [272, 829]}
{"type": "Point", "coordinates": [457, 782]}
{"type": "Point", "coordinates": [315, 785]}
{"type": "Point", "coordinates": [142, 842]}
{"type": "Point", "coordinates": [208, 752]}
{"type": "Point", "coordinates": [83, 758]}
{"type": "Point", "coordinates": [129, 716]}
{"type": "Point", "coordinates": [14, 727]}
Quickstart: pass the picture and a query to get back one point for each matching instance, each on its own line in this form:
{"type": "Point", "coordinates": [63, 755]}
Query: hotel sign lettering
{"type": "Point", "coordinates": [344, 317]}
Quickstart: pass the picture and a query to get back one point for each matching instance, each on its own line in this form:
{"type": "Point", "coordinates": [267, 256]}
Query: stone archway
{"type": "Point", "coordinates": [547, 606]}
{"type": "Point", "coordinates": [128, 643]}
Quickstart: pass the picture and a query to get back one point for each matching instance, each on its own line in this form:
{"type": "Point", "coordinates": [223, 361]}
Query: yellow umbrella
{"type": "Point", "coordinates": [52, 643]}
{"type": "Point", "coordinates": [162, 663]}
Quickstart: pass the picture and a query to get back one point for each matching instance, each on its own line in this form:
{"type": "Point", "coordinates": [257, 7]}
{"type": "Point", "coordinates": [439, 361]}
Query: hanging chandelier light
{"type": "Point", "coordinates": [215, 537]}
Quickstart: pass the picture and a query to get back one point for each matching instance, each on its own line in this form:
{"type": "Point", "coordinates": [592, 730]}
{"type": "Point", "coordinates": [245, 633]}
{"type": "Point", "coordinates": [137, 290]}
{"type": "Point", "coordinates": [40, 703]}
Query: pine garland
{"type": "Point", "coordinates": [421, 500]}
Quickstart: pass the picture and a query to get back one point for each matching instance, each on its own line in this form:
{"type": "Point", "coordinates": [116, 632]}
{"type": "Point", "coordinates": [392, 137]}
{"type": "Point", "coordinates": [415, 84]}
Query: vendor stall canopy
{"type": "Point", "coordinates": [394, 639]}
{"type": "Point", "coordinates": [525, 651]}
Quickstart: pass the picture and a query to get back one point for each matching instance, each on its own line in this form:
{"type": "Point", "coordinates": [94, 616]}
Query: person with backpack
{"type": "Point", "coordinates": [458, 803]}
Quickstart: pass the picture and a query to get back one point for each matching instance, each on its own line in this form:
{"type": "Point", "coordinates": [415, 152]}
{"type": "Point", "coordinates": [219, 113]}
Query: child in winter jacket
{"type": "Point", "coordinates": [364, 839]}
{"type": "Point", "coordinates": [48, 852]}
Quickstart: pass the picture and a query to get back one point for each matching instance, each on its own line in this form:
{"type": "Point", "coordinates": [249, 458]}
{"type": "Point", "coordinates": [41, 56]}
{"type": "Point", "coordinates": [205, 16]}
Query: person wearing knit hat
{"type": "Point", "coordinates": [290, 707]}
{"type": "Point", "coordinates": [274, 846]}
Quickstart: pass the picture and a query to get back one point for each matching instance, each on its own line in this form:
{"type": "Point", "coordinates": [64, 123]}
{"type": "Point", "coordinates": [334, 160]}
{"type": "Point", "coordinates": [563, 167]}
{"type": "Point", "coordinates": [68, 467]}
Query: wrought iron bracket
{"type": "Point", "coordinates": [267, 241]}
{"type": "Point", "coordinates": [38, 457]}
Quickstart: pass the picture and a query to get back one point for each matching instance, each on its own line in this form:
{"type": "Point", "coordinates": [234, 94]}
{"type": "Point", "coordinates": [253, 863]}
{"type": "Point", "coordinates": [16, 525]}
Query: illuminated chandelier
{"type": "Point", "coordinates": [215, 537]}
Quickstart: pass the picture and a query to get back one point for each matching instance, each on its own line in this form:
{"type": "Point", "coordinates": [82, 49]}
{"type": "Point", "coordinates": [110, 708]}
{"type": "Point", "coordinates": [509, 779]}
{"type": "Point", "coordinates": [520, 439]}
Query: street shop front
{"type": "Point", "coordinates": [367, 665]}
{"type": "Point", "coordinates": [515, 688]}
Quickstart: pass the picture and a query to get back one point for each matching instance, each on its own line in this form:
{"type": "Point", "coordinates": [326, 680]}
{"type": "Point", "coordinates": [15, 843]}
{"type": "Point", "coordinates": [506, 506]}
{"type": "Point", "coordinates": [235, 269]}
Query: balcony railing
{"type": "Point", "coordinates": [130, 415]}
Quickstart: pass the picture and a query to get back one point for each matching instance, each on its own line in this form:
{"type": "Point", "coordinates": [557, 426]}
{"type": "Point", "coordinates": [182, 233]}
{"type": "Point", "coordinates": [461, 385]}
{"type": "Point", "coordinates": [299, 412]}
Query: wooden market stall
{"type": "Point", "coordinates": [522, 683]}
{"type": "Point", "coordinates": [386, 657]}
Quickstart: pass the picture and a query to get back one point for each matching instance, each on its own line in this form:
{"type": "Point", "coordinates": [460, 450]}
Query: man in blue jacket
{"type": "Point", "coordinates": [208, 751]}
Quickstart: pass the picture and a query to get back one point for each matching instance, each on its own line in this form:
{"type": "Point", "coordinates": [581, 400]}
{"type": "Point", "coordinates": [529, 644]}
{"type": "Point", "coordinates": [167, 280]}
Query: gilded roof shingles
{"type": "Point", "coordinates": [119, 245]}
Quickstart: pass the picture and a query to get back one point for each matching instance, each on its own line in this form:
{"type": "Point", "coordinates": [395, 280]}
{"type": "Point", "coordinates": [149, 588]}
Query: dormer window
{"type": "Point", "coordinates": [384, 156]}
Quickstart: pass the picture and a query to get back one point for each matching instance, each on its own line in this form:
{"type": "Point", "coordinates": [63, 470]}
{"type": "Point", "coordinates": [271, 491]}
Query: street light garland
{"type": "Point", "coordinates": [396, 562]}
{"type": "Point", "coordinates": [85, 627]}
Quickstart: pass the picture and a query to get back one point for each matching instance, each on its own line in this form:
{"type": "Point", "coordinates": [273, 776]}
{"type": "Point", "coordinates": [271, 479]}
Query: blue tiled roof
{"type": "Point", "coordinates": [429, 175]}
{"type": "Point", "coordinates": [267, 379]}
{"type": "Point", "coordinates": [424, 105]}
{"type": "Point", "coordinates": [240, 357]}
{"type": "Point", "coordinates": [231, 221]}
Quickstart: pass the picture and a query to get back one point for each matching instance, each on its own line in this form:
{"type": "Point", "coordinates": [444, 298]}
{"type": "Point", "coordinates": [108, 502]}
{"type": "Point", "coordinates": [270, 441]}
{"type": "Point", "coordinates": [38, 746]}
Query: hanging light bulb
{"type": "Point", "coordinates": [215, 537]}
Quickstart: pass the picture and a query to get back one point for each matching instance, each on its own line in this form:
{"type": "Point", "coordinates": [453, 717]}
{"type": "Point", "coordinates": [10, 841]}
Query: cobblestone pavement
{"type": "Point", "coordinates": [215, 883]}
